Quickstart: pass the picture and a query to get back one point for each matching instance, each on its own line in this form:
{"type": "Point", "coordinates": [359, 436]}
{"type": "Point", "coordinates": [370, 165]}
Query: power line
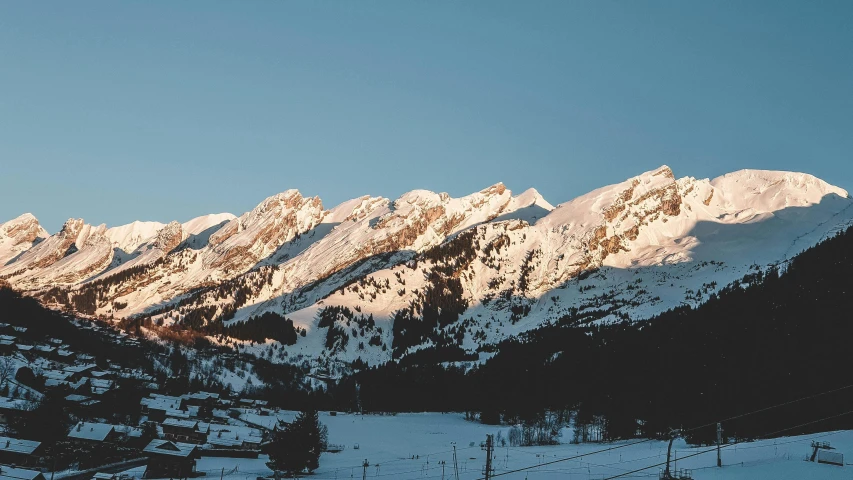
{"type": "Point", "coordinates": [783, 404]}
{"type": "Point", "coordinates": [734, 443]}
{"type": "Point", "coordinates": [570, 458]}
{"type": "Point", "coordinates": [790, 402]}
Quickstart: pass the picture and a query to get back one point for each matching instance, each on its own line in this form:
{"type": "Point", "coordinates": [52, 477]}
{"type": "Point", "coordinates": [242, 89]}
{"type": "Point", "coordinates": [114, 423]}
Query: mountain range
{"type": "Point", "coordinates": [376, 279]}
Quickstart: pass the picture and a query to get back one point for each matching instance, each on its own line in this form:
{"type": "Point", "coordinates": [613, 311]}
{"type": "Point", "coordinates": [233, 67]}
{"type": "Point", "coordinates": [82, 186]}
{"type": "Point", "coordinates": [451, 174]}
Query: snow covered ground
{"type": "Point", "coordinates": [413, 446]}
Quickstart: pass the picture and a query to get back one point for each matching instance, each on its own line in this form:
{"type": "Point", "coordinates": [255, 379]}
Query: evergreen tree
{"type": "Point", "coordinates": [46, 422]}
{"type": "Point", "coordinates": [297, 448]}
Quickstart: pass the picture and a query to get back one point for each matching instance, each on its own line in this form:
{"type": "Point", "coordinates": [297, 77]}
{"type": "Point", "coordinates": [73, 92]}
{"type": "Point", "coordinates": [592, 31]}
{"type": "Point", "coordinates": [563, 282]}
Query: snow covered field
{"type": "Point", "coordinates": [390, 442]}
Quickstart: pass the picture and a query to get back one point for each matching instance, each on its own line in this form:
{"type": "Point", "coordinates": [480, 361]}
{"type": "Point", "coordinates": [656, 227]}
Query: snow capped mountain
{"type": "Point", "coordinates": [246, 240]}
{"type": "Point", "coordinates": [19, 235]}
{"type": "Point", "coordinates": [429, 270]}
{"type": "Point", "coordinates": [128, 237]}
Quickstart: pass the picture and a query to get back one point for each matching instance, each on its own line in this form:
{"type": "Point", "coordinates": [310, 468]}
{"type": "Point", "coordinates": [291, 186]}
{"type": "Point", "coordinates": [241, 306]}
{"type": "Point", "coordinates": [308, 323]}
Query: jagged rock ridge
{"type": "Point", "coordinates": [432, 271]}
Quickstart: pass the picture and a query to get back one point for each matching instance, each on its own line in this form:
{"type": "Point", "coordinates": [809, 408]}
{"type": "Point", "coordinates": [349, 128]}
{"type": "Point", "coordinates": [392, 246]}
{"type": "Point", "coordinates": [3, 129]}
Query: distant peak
{"type": "Point", "coordinates": [762, 180]}
{"type": "Point", "coordinates": [26, 217]}
{"type": "Point", "coordinates": [663, 171]}
{"type": "Point", "coordinates": [72, 224]}
{"type": "Point", "coordinates": [531, 196]}
{"type": "Point", "coordinates": [496, 189]}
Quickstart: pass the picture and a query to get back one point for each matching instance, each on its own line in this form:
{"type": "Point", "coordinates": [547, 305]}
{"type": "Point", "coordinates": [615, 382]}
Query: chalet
{"type": "Point", "coordinates": [45, 351]}
{"type": "Point", "coordinates": [82, 404]}
{"type": "Point", "coordinates": [233, 437]}
{"type": "Point", "coordinates": [24, 349]}
{"type": "Point", "coordinates": [132, 436]}
{"type": "Point", "coordinates": [189, 431]}
{"type": "Point", "coordinates": [167, 459]}
{"type": "Point", "coordinates": [201, 399]}
{"type": "Point", "coordinates": [56, 378]}
{"type": "Point", "coordinates": [10, 407]}
{"type": "Point", "coordinates": [86, 432]}
{"type": "Point", "coordinates": [13, 473]}
{"type": "Point", "coordinates": [14, 451]}
{"type": "Point", "coordinates": [78, 372]}
{"type": "Point", "coordinates": [100, 386]}
{"type": "Point", "coordinates": [156, 406]}
{"type": "Point", "coordinates": [64, 355]}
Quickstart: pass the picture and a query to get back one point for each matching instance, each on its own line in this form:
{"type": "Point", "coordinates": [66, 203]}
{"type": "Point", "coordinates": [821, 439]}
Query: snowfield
{"type": "Point", "coordinates": [413, 446]}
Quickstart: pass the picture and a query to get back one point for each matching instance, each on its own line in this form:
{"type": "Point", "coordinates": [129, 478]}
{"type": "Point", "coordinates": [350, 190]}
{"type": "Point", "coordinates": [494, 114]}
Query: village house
{"type": "Point", "coordinates": [56, 378]}
{"type": "Point", "coordinates": [14, 473]}
{"type": "Point", "coordinates": [14, 451]}
{"type": "Point", "coordinates": [81, 404]}
{"type": "Point", "coordinates": [189, 431]}
{"type": "Point", "coordinates": [78, 372]}
{"type": "Point", "coordinates": [167, 459]}
{"type": "Point", "coordinates": [156, 406]}
{"type": "Point", "coordinates": [66, 356]}
{"type": "Point", "coordinates": [93, 433]}
{"type": "Point", "coordinates": [10, 407]}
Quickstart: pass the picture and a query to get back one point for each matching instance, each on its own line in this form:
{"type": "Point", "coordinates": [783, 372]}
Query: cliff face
{"type": "Point", "coordinates": [18, 236]}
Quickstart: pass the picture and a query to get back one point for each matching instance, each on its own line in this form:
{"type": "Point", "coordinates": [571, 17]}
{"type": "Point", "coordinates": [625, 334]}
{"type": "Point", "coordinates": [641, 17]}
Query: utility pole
{"type": "Point", "coordinates": [364, 472]}
{"type": "Point", "coordinates": [487, 472]}
{"type": "Point", "coordinates": [442, 469]}
{"type": "Point", "coordinates": [455, 464]}
{"type": "Point", "coordinates": [719, 442]}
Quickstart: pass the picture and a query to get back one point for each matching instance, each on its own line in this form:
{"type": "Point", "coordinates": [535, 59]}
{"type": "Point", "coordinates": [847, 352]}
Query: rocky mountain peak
{"type": "Point", "coordinates": [18, 235]}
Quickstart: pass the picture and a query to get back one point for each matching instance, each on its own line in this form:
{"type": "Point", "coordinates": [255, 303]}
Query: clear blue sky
{"type": "Point", "coordinates": [115, 111]}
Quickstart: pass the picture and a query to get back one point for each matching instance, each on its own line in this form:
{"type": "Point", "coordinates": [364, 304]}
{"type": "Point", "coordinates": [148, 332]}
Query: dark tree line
{"type": "Point", "coordinates": [257, 329]}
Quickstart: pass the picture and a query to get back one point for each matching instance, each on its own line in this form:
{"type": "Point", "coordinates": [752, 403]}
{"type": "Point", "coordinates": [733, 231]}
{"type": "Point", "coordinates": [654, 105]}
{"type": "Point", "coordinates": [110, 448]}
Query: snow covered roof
{"type": "Point", "coordinates": [12, 473]}
{"type": "Point", "coordinates": [166, 447]}
{"type": "Point", "coordinates": [173, 422]}
{"type": "Point", "coordinates": [224, 442]}
{"type": "Point", "coordinates": [101, 383]}
{"type": "Point", "coordinates": [7, 403]}
{"type": "Point", "coordinates": [55, 374]}
{"type": "Point", "coordinates": [80, 368]}
{"type": "Point", "coordinates": [161, 402]}
{"type": "Point", "coordinates": [175, 413]}
{"type": "Point", "coordinates": [16, 445]}
{"type": "Point", "coordinates": [200, 395]}
{"type": "Point", "coordinates": [91, 431]}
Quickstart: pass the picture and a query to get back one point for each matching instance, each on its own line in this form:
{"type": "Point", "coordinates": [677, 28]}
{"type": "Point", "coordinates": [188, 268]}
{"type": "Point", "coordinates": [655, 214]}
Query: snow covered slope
{"type": "Point", "coordinates": [429, 270]}
{"type": "Point", "coordinates": [629, 250]}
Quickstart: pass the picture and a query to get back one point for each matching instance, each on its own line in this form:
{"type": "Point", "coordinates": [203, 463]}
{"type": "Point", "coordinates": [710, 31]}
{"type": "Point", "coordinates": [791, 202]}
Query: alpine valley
{"type": "Point", "coordinates": [374, 280]}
